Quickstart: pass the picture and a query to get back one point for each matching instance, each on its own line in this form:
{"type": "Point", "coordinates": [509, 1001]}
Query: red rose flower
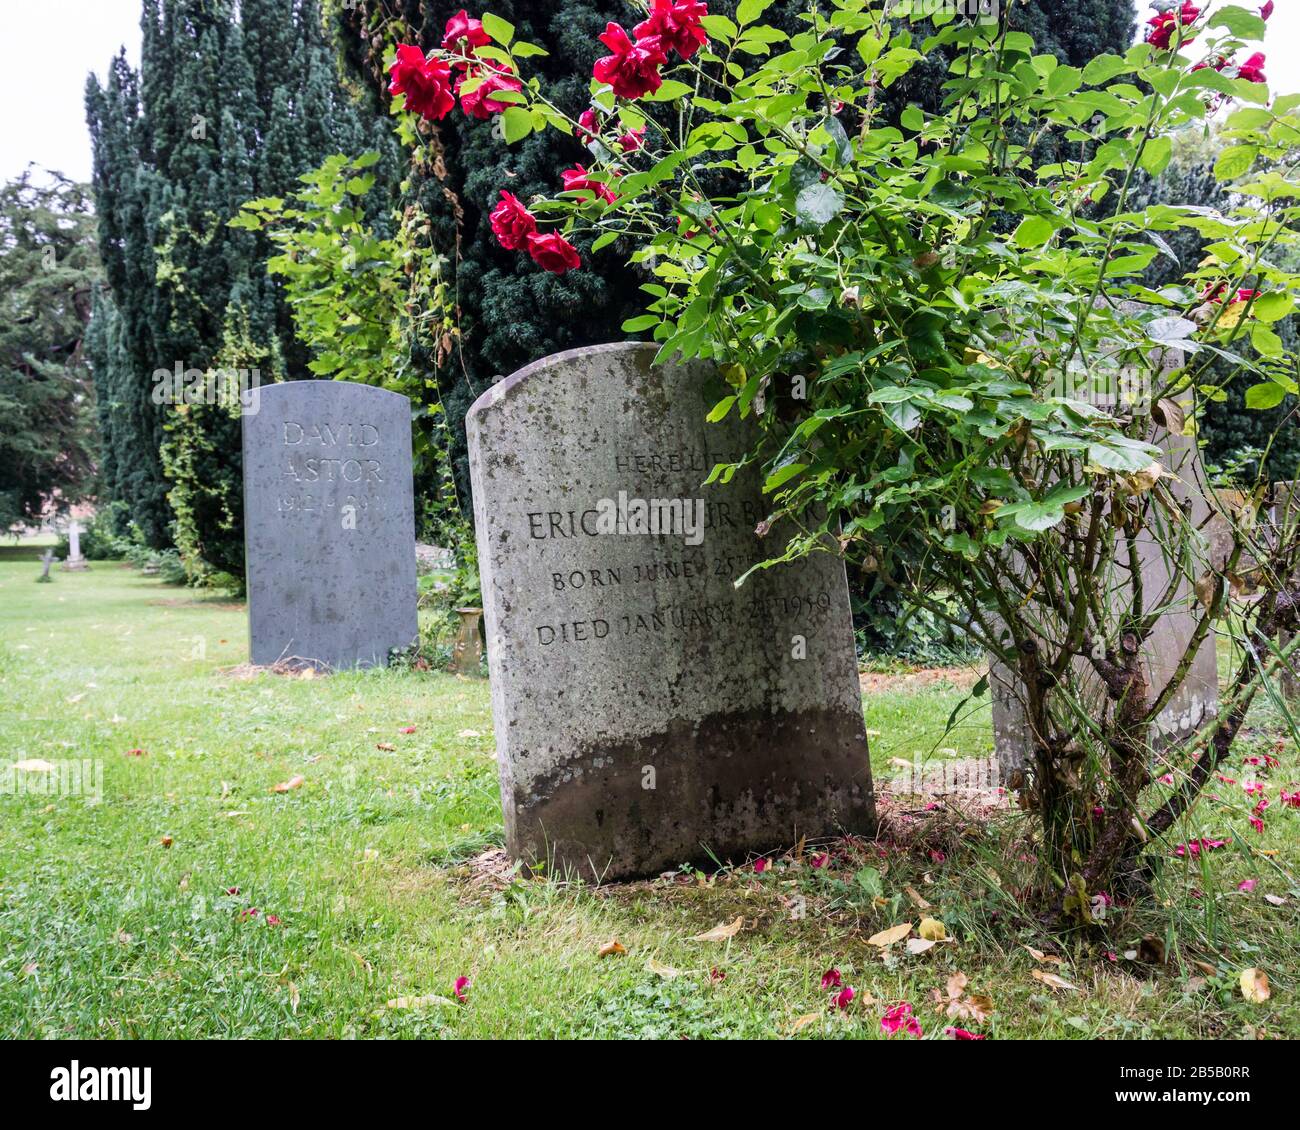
{"type": "Point", "coordinates": [831, 979]}
{"type": "Point", "coordinates": [1252, 70]}
{"type": "Point", "coordinates": [512, 223]}
{"type": "Point", "coordinates": [1163, 25]}
{"type": "Point", "coordinates": [676, 24]}
{"type": "Point", "coordinates": [962, 1034]}
{"type": "Point", "coordinates": [588, 126]}
{"type": "Point", "coordinates": [463, 35]}
{"type": "Point", "coordinates": [633, 69]}
{"type": "Point", "coordinates": [1266, 10]}
{"type": "Point", "coordinates": [552, 252]}
{"type": "Point", "coordinates": [479, 103]}
{"type": "Point", "coordinates": [426, 83]}
{"type": "Point", "coordinates": [577, 179]}
{"type": "Point", "coordinates": [633, 140]}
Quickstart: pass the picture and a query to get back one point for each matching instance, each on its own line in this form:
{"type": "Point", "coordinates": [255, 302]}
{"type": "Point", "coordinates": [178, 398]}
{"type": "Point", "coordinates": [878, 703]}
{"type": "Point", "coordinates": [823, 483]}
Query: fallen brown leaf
{"type": "Point", "coordinates": [1254, 986]}
{"type": "Point", "coordinates": [610, 948]}
{"type": "Point", "coordinates": [890, 936]}
{"type": "Point", "coordinates": [292, 783]}
{"type": "Point", "coordinates": [1045, 958]}
{"type": "Point", "coordinates": [721, 933]}
{"type": "Point", "coordinates": [932, 930]}
{"type": "Point", "coordinates": [1052, 981]}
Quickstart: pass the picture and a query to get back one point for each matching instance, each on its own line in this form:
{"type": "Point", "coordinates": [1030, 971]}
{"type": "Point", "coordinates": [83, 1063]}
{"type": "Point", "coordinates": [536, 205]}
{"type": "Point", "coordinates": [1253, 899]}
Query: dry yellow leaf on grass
{"type": "Point", "coordinates": [803, 1022]}
{"type": "Point", "coordinates": [915, 895]}
{"type": "Point", "coordinates": [920, 945]}
{"type": "Point", "coordinates": [1254, 986]}
{"type": "Point", "coordinates": [289, 785]}
{"type": "Point", "coordinates": [890, 936]}
{"type": "Point", "coordinates": [721, 933]}
{"type": "Point", "coordinates": [932, 930]}
{"type": "Point", "coordinates": [667, 972]}
{"type": "Point", "coordinates": [611, 948]}
{"type": "Point", "coordinates": [294, 998]}
{"type": "Point", "coordinates": [1052, 981]}
{"type": "Point", "coordinates": [1044, 958]}
{"type": "Point", "coordinates": [419, 1002]}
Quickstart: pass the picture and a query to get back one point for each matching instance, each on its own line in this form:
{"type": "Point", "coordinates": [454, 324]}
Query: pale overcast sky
{"type": "Point", "coordinates": [47, 48]}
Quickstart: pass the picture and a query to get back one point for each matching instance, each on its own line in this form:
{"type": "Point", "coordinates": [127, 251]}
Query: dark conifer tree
{"type": "Point", "coordinates": [232, 101]}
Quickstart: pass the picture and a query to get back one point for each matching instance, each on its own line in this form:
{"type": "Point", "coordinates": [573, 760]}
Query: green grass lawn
{"type": "Point", "coordinates": [116, 918]}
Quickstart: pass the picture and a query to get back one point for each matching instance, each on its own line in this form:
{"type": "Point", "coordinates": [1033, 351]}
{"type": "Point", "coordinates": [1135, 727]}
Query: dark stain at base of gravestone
{"type": "Point", "coordinates": [730, 774]}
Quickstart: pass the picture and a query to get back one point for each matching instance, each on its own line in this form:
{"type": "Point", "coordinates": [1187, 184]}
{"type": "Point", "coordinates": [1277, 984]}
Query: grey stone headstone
{"type": "Point", "coordinates": [329, 523]}
{"type": "Point", "coordinates": [1282, 519]}
{"type": "Point", "coordinates": [75, 561]}
{"type": "Point", "coordinates": [1198, 696]}
{"type": "Point", "coordinates": [648, 712]}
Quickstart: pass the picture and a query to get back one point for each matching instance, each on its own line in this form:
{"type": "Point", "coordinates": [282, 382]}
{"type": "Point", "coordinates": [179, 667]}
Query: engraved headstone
{"type": "Point", "coordinates": [1282, 519]}
{"type": "Point", "coordinates": [1197, 698]}
{"type": "Point", "coordinates": [649, 712]}
{"type": "Point", "coordinates": [329, 523]}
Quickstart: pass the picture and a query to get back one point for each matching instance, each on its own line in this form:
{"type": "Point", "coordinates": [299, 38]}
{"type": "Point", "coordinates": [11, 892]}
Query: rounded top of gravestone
{"type": "Point", "coordinates": [283, 385]}
{"type": "Point", "coordinates": [497, 394]}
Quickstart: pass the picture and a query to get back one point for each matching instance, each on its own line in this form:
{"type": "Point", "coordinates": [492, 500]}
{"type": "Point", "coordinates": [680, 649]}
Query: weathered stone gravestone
{"type": "Point", "coordinates": [1198, 697]}
{"type": "Point", "coordinates": [648, 712]}
{"type": "Point", "coordinates": [47, 559]}
{"type": "Point", "coordinates": [329, 523]}
{"type": "Point", "coordinates": [1282, 518]}
{"type": "Point", "coordinates": [75, 561]}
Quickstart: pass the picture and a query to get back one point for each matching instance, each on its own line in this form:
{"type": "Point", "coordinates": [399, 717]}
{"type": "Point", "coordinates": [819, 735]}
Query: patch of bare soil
{"type": "Point", "coordinates": [963, 678]}
{"type": "Point", "coordinates": [292, 667]}
{"type": "Point", "coordinates": [489, 870]}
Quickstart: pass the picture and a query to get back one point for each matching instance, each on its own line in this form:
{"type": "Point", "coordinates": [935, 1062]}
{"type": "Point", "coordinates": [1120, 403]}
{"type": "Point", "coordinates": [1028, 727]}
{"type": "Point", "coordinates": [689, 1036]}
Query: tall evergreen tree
{"type": "Point", "coordinates": [231, 101]}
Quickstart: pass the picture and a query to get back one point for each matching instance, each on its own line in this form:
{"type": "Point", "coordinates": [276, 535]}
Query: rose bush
{"type": "Point", "coordinates": [957, 370]}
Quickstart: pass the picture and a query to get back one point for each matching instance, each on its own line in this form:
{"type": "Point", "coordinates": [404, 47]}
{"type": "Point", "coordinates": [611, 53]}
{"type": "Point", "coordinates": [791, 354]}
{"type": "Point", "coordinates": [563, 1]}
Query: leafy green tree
{"type": "Point", "coordinates": [232, 101]}
{"type": "Point", "coordinates": [48, 270]}
{"type": "Point", "coordinates": [356, 296]}
{"type": "Point", "coordinates": [1235, 439]}
{"type": "Point", "coordinates": [507, 313]}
